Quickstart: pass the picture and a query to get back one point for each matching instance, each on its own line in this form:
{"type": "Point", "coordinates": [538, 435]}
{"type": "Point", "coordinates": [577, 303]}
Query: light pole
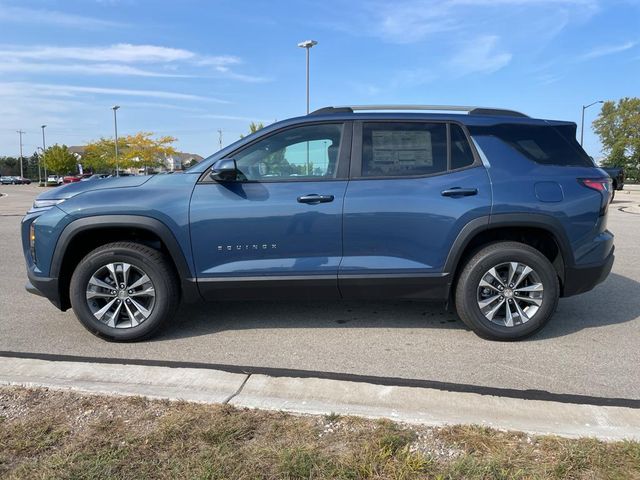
{"type": "Point", "coordinates": [584, 107]}
{"type": "Point", "coordinates": [307, 45]}
{"type": "Point", "coordinates": [20, 132]}
{"type": "Point", "coordinates": [115, 126]}
{"type": "Point", "coordinates": [44, 147]}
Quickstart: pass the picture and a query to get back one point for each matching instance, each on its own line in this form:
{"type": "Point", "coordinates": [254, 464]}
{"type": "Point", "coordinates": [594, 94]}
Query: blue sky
{"type": "Point", "coordinates": [191, 67]}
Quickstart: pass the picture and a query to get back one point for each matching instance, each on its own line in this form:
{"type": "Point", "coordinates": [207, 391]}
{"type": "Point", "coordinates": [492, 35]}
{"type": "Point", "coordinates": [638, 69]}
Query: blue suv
{"type": "Point", "coordinates": [486, 210]}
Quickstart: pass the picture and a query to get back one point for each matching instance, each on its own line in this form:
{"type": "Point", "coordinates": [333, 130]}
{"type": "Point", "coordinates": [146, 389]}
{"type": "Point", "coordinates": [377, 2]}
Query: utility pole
{"type": "Point", "coordinates": [44, 164]}
{"type": "Point", "coordinates": [115, 127]}
{"type": "Point", "coordinates": [20, 132]}
{"type": "Point", "coordinates": [219, 139]}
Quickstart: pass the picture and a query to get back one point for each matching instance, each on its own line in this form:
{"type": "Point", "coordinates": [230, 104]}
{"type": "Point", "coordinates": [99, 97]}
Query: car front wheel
{"type": "Point", "coordinates": [507, 291]}
{"type": "Point", "coordinates": [124, 291]}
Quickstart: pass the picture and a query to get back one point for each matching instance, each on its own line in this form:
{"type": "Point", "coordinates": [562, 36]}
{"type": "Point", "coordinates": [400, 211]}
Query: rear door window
{"type": "Point", "coordinates": [545, 144]}
{"type": "Point", "coordinates": [394, 149]}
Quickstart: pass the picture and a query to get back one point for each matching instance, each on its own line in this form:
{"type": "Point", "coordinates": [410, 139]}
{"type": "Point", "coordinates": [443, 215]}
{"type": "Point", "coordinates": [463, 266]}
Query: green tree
{"type": "Point", "coordinates": [618, 127]}
{"type": "Point", "coordinates": [60, 160]}
{"type": "Point", "coordinates": [100, 155]}
{"type": "Point", "coordinates": [254, 127]}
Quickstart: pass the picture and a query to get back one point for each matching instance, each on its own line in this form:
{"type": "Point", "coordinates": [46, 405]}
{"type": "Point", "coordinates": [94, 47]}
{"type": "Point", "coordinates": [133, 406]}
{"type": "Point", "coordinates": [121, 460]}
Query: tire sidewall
{"type": "Point", "coordinates": [95, 260]}
{"type": "Point", "coordinates": [481, 264]}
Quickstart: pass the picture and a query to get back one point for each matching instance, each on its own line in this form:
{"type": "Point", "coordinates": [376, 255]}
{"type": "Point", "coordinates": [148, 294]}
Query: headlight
{"type": "Point", "coordinates": [46, 203]}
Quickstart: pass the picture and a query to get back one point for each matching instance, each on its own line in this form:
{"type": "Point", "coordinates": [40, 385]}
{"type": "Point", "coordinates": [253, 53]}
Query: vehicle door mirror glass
{"type": "Point", "coordinates": [224, 170]}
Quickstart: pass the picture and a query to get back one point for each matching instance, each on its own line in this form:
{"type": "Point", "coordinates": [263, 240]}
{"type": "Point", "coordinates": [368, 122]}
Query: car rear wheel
{"type": "Point", "coordinates": [507, 291]}
{"type": "Point", "coordinates": [124, 291]}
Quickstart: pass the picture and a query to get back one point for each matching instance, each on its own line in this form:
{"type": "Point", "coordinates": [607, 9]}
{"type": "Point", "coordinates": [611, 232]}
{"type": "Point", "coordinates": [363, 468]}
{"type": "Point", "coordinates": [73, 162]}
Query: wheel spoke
{"type": "Point", "coordinates": [484, 283]}
{"type": "Point", "coordinates": [140, 308]}
{"type": "Point", "coordinates": [492, 313]}
{"type": "Point", "coordinates": [134, 320]}
{"type": "Point", "coordinates": [495, 275]}
{"type": "Point", "coordinates": [141, 281]}
{"type": "Point", "coordinates": [149, 292]}
{"type": "Point", "coordinates": [99, 283]}
{"type": "Point", "coordinates": [125, 274]}
{"type": "Point", "coordinates": [535, 301]}
{"type": "Point", "coordinates": [112, 270]}
{"type": "Point", "coordinates": [488, 301]}
{"type": "Point", "coordinates": [523, 274]}
{"type": "Point", "coordinates": [100, 313]}
{"type": "Point", "coordinates": [523, 316]}
{"type": "Point", "coordinates": [508, 318]}
{"type": "Point", "coordinates": [513, 268]}
{"type": "Point", "coordinates": [91, 294]}
{"type": "Point", "coordinates": [113, 320]}
{"type": "Point", "coordinates": [536, 287]}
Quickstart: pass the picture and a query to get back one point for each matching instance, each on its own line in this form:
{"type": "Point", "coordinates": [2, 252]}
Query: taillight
{"type": "Point", "coordinates": [599, 184]}
{"type": "Point", "coordinates": [602, 185]}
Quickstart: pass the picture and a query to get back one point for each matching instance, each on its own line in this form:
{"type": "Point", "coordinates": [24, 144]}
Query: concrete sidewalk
{"type": "Point", "coordinates": [415, 405]}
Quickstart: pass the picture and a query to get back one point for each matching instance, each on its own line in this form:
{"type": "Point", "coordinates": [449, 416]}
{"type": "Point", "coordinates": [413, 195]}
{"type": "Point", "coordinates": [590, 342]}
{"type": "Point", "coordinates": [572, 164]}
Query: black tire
{"type": "Point", "coordinates": [151, 262]}
{"type": "Point", "coordinates": [466, 294]}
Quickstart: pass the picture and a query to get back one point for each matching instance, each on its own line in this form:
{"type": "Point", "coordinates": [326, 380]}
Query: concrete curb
{"type": "Point", "coordinates": [426, 406]}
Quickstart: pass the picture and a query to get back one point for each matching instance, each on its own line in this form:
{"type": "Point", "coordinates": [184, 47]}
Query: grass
{"type": "Point", "coordinates": [48, 434]}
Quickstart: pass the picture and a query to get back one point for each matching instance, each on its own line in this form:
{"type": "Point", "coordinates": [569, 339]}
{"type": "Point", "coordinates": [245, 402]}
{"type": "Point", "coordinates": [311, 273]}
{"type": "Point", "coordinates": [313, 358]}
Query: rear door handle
{"type": "Point", "coordinates": [314, 198]}
{"type": "Point", "coordinates": [459, 192]}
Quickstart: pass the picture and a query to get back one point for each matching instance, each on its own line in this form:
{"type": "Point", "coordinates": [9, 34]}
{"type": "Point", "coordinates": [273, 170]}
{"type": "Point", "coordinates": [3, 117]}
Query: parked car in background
{"type": "Point", "coordinates": [71, 178]}
{"type": "Point", "coordinates": [54, 179]}
{"type": "Point", "coordinates": [617, 175]}
{"type": "Point", "coordinates": [6, 180]}
{"type": "Point", "coordinates": [22, 181]}
{"type": "Point", "coordinates": [491, 211]}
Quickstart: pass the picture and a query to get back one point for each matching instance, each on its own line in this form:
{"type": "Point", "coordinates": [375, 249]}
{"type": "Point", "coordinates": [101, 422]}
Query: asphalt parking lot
{"type": "Point", "coordinates": [590, 347]}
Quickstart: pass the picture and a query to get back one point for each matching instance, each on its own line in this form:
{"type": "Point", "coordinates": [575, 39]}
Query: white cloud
{"type": "Point", "coordinates": [481, 55]}
{"type": "Point", "coordinates": [121, 59]}
{"type": "Point", "coordinates": [604, 50]}
{"type": "Point", "coordinates": [37, 16]}
{"type": "Point", "coordinates": [81, 69]}
{"type": "Point", "coordinates": [74, 90]}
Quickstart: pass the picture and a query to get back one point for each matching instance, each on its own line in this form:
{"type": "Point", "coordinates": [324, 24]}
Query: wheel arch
{"type": "Point", "coordinates": [539, 231]}
{"type": "Point", "coordinates": [85, 234]}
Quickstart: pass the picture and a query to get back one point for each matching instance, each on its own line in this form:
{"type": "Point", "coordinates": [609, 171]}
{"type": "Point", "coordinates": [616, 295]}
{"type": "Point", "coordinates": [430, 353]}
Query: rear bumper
{"type": "Point", "coordinates": [584, 278]}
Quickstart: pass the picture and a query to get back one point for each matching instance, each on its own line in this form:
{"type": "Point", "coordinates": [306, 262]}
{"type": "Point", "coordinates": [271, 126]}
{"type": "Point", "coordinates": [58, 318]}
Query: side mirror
{"type": "Point", "coordinates": [225, 170]}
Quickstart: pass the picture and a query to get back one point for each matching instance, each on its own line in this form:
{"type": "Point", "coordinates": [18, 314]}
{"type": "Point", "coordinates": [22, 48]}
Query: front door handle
{"type": "Point", "coordinates": [314, 199]}
{"type": "Point", "coordinates": [459, 192]}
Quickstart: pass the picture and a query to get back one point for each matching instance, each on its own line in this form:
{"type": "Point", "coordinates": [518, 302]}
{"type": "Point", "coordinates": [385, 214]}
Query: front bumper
{"type": "Point", "coordinates": [584, 278]}
{"type": "Point", "coordinates": [44, 287]}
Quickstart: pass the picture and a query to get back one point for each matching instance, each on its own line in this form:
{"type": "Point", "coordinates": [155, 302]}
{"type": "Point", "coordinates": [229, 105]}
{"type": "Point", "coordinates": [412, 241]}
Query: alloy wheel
{"type": "Point", "coordinates": [510, 294]}
{"type": "Point", "coordinates": [120, 295]}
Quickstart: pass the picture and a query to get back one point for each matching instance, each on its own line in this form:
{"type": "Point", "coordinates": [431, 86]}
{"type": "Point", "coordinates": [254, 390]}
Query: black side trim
{"type": "Point", "coordinates": [419, 286]}
{"type": "Point", "coordinates": [349, 377]}
{"type": "Point", "coordinates": [285, 287]}
{"type": "Point", "coordinates": [189, 289]}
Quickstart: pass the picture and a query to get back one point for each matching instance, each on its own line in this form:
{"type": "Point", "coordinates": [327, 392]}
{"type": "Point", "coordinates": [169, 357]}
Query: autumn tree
{"type": "Point", "coordinates": [100, 156]}
{"type": "Point", "coordinates": [618, 127]}
{"type": "Point", "coordinates": [134, 151]}
{"type": "Point", "coordinates": [60, 160]}
{"type": "Point", "coordinates": [143, 151]}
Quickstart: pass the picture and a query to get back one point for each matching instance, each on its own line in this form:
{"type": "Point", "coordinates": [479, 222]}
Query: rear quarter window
{"type": "Point", "coordinates": [544, 144]}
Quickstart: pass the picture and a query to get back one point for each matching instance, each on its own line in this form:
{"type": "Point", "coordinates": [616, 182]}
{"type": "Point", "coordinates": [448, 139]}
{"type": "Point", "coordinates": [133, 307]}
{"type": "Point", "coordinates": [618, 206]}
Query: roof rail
{"type": "Point", "coordinates": [446, 108]}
